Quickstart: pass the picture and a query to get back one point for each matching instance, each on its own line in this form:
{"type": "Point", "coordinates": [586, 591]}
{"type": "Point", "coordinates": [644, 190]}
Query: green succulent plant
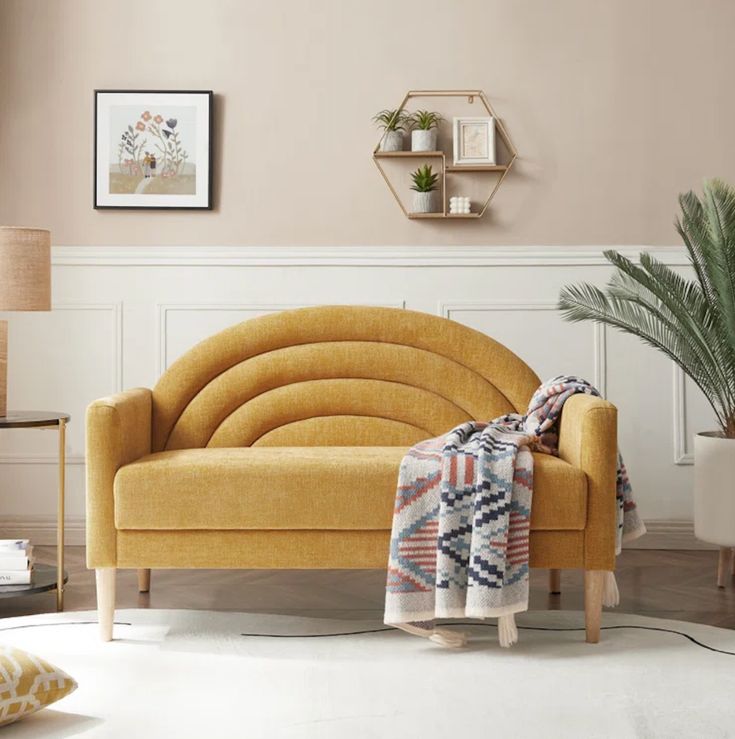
{"type": "Point", "coordinates": [391, 120]}
{"type": "Point", "coordinates": [424, 180]}
{"type": "Point", "coordinates": [424, 120]}
{"type": "Point", "coordinates": [691, 321]}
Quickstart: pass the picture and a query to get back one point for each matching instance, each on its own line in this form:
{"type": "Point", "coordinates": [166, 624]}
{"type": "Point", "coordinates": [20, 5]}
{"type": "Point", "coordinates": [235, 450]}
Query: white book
{"type": "Point", "coordinates": [11, 562]}
{"type": "Point", "coordinates": [14, 544]}
{"type": "Point", "coordinates": [16, 577]}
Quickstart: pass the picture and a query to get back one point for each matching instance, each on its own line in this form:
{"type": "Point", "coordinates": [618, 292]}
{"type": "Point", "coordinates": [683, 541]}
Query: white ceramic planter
{"type": "Point", "coordinates": [714, 489]}
{"type": "Point", "coordinates": [424, 202]}
{"type": "Point", "coordinates": [392, 141]}
{"type": "Point", "coordinates": [423, 140]}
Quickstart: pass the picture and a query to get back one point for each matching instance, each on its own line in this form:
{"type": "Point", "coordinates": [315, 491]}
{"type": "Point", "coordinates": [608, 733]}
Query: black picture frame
{"type": "Point", "coordinates": [209, 94]}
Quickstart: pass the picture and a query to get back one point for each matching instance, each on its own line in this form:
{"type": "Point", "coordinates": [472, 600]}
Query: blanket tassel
{"type": "Point", "coordinates": [447, 638]}
{"type": "Point", "coordinates": [442, 637]}
{"type": "Point", "coordinates": [610, 592]}
{"type": "Point", "coordinates": [507, 630]}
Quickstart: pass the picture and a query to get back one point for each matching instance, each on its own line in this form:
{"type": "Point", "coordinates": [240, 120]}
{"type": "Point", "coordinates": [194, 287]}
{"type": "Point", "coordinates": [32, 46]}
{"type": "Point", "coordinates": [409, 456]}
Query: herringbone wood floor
{"type": "Point", "coordinates": [667, 584]}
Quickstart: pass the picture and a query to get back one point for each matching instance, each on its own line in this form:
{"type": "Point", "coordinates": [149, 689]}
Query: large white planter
{"type": "Point", "coordinates": [392, 141]}
{"type": "Point", "coordinates": [714, 489]}
{"type": "Point", "coordinates": [424, 202]}
{"type": "Point", "coordinates": [423, 140]}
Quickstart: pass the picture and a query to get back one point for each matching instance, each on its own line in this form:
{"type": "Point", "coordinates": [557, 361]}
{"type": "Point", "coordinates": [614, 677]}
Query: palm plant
{"type": "Point", "coordinates": [691, 321]}
{"type": "Point", "coordinates": [424, 180]}
{"type": "Point", "coordinates": [391, 120]}
{"type": "Point", "coordinates": [424, 120]}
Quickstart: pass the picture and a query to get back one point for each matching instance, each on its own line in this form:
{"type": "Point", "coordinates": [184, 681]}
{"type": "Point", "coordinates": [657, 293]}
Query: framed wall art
{"type": "Point", "coordinates": [153, 149]}
{"type": "Point", "coordinates": [474, 140]}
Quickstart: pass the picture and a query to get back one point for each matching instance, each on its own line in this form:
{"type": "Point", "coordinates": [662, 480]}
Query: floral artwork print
{"type": "Point", "coordinates": [153, 149]}
{"type": "Point", "coordinates": [152, 154]}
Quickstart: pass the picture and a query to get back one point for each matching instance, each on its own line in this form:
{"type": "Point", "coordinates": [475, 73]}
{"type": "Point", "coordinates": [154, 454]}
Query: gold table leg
{"type": "Point", "coordinates": [60, 518]}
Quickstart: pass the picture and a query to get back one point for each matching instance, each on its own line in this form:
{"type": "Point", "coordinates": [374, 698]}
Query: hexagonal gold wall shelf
{"type": "Point", "coordinates": [392, 164]}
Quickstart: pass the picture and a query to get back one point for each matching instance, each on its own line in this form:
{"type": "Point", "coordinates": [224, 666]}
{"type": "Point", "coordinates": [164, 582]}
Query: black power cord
{"type": "Point", "coordinates": [523, 628]}
{"type": "Point", "coordinates": [391, 628]}
{"type": "Point", "coordinates": [64, 623]}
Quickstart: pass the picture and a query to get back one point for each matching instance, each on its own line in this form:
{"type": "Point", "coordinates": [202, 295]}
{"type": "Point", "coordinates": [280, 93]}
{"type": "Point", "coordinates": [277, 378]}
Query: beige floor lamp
{"type": "Point", "coordinates": [25, 284]}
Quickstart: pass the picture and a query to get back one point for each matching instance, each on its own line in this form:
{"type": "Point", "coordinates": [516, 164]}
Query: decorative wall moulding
{"type": "Point", "coordinates": [473, 152]}
{"type": "Point", "coordinates": [353, 256]}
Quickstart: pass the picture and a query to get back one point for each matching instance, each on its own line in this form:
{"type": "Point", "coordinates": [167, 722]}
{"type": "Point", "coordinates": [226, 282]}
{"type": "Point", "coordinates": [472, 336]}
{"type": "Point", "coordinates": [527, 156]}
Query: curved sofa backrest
{"type": "Point", "coordinates": [336, 376]}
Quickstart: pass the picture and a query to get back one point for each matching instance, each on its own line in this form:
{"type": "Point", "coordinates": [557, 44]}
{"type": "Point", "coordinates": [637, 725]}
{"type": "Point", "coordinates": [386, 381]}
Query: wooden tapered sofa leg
{"type": "Point", "coordinates": [144, 580]}
{"type": "Point", "coordinates": [593, 585]}
{"type": "Point", "coordinates": [554, 582]}
{"type": "Point", "coordinates": [106, 600]}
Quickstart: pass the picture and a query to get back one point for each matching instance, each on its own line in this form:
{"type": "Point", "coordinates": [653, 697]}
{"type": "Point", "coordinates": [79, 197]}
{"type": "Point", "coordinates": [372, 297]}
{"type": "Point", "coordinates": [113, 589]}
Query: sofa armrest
{"type": "Point", "coordinates": [588, 439]}
{"type": "Point", "coordinates": [118, 432]}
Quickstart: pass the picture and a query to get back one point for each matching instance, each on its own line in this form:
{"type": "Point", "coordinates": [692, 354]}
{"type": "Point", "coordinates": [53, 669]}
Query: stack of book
{"type": "Point", "coordinates": [16, 562]}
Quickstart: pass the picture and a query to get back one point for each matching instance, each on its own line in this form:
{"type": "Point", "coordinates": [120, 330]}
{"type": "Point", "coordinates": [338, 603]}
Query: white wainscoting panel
{"type": "Point", "coordinates": [534, 332]}
{"type": "Point", "coordinates": [181, 326]}
{"type": "Point", "coordinates": [123, 314]}
{"type": "Point", "coordinates": [692, 413]}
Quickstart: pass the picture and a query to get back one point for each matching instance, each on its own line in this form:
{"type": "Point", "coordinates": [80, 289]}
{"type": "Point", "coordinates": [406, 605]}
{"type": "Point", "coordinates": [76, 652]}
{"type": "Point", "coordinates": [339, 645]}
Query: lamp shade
{"type": "Point", "coordinates": [25, 269]}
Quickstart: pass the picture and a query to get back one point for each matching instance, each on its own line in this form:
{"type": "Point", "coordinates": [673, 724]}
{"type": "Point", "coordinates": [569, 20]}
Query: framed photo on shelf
{"type": "Point", "coordinates": [153, 149]}
{"type": "Point", "coordinates": [474, 140]}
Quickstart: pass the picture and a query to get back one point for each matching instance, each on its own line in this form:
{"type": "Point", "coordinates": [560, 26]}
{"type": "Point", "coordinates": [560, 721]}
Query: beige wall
{"type": "Point", "coordinates": [615, 106]}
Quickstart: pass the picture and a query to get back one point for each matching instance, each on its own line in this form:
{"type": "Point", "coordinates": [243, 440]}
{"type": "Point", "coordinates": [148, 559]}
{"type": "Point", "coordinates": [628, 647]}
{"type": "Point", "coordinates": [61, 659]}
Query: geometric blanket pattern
{"type": "Point", "coordinates": [461, 520]}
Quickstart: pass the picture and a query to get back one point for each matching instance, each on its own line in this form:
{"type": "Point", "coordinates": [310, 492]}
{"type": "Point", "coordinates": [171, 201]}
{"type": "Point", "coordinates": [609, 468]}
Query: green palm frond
{"type": "Point", "coordinates": [719, 209]}
{"type": "Point", "coordinates": [692, 227]}
{"type": "Point", "coordinates": [589, 303]}
{"type": "Point", "coordinates": [677, 303]}
{"type": "Point", "coordinates": [691, 321]}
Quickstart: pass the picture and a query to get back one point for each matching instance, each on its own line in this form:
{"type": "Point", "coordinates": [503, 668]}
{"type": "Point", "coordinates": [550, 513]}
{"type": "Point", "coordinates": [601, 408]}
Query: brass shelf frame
{"type": "Point", "coordinates": [452, 169]}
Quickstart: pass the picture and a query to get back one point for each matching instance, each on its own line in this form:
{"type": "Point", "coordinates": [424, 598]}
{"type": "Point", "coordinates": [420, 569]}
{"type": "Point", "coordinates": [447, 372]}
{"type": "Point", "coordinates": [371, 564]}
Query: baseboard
{"type": "Point", "coordinates": [669, 535]}
{"type": "Point", "coordinates": [42, 530]}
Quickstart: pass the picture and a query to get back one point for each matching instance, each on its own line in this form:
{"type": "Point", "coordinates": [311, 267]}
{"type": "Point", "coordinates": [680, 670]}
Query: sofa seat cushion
{"type": "Point", "coordinates": [343, 488]}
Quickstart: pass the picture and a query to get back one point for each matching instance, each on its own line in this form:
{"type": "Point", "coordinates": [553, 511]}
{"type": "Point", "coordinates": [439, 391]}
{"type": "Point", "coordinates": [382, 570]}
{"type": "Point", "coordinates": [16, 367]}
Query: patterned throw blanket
{"type": "Point", "coordinates": [459, 545]}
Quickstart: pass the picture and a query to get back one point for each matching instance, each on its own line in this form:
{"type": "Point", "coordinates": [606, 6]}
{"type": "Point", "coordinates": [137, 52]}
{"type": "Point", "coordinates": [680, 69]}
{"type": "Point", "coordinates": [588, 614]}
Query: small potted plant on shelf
{"type": "Point", "coordinates": [424, 124]}
{"type": "Point", "coordinates": [393, 123]}
{"type": "Point", "coordinates": [692, 321]}
{"type": "Point", "coordinates": [424, 187]}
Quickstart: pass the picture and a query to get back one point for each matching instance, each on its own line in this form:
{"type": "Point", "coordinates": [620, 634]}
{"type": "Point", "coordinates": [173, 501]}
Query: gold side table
{"type": "Point", "coordinates": [44, 577]}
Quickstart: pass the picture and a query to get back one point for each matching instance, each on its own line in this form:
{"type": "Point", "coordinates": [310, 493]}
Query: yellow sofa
{"type": "Point", "coordinates": [276, 444]}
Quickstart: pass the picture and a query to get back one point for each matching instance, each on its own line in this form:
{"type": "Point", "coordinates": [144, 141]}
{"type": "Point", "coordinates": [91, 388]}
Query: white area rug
{"type": "Point", "coordinates": [191, 674]}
